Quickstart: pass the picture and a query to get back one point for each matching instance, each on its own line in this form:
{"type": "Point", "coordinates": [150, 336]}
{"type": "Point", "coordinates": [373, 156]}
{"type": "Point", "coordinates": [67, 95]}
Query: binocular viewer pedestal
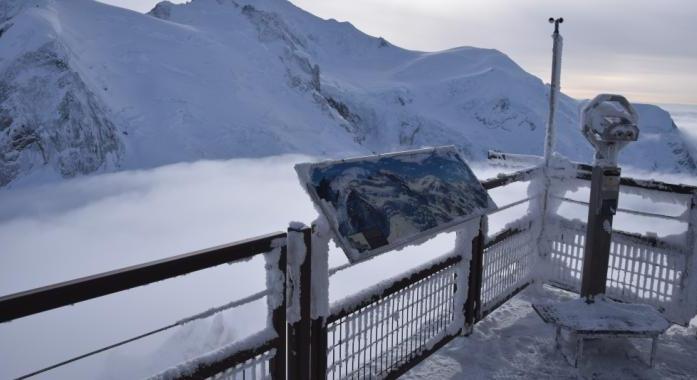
{"type": "Point", "coordinates": [609, 122]}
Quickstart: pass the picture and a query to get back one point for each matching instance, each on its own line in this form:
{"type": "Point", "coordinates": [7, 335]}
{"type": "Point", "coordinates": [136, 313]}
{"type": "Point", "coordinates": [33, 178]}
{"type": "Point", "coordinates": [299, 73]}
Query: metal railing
{"type": "Point", "coordinates": [382, 335]}
{"type": "Point", "coordinates": [508, 264]}
{"type": "Point", "coordinates": [269, 353]}
{"type": "Point", "coordinates": [392, 327]}
{"type": "Point", "coordinates": [642, 268]}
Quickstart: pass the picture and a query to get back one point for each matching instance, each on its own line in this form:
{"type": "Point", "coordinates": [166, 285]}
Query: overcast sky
{"type": "Point", "coordinates": [644, 49]}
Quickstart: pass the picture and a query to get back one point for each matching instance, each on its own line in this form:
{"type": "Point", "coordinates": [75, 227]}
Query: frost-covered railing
{"type": "Point", "coordinates": [509, 258]}
{"type": "Point", "coordinates": [381, 332]}
{"type": "Point", "coordinates": [642, 268]}
{"type": "Point", "coordinates": [259, 356]}
{"type": "Point", "coordinates": [385, 330]}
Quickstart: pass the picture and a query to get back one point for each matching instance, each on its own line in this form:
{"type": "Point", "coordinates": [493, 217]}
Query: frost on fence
{"type": "Point", "coordinates": [509, 265]}
{"type": "Point", "coordinates": [375, 339]}
{"type": "Point", "coordinates": [259, 363]}
{"type": "Point", "coordinates": [249, 357]}
{"type": "Point", "coordinates": [375, 332]}
{"type": "Point", "coordinates": [275, 280]}
{"type": "Point", "coordinates": [296, 256]}
{"type": "Point", "coordinates": [639, 270]}
{"type": "Point", "coordinates": [689, 296]}
{"type": "Point", "coordinates": [320, 268]}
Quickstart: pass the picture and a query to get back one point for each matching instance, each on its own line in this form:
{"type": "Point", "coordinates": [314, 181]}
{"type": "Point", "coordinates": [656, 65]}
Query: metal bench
{"type": "Point", "coordinates": [603, 318]}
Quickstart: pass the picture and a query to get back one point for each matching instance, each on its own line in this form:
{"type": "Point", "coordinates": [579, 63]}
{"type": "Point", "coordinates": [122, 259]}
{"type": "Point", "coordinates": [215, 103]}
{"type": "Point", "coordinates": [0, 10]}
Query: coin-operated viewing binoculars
{"type": "Point", "coordinates": [609, 123]}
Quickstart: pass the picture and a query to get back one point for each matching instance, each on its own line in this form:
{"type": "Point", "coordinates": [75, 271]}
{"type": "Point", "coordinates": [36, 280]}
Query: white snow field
{"type": "Point", "coordinates": [87, 87]}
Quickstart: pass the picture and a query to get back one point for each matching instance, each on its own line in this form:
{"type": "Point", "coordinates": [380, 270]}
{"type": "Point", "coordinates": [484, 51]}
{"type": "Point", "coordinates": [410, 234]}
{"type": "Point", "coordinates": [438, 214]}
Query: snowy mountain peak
{"type": "Point", "coordinates": [88, 87]}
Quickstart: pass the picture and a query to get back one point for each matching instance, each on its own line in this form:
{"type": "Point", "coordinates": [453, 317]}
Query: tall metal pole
{"type": "Point", "coordinates": [550, 132]}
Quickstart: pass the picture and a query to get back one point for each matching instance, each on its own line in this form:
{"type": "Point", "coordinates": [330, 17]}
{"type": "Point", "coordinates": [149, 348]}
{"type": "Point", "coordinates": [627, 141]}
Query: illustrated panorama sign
{"type": "Point", "coordinates": [379, 203]}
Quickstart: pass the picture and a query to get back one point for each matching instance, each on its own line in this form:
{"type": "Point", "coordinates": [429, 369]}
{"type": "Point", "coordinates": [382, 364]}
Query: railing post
{"type": "Point", "coordinates": [320, 298]}
{"type": "Point", "coordinates": [474, 291]}
{"type": "Point", "coordinates": [278, 314]}
{"type": "Point", "coordinates": [299, 301]}
{"type": "Point", "coordinates": [689, 280]}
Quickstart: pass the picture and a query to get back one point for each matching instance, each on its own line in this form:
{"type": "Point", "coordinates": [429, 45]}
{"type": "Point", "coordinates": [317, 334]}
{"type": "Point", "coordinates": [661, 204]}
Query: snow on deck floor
{"type": "Point", "coordinates": [514, 343]}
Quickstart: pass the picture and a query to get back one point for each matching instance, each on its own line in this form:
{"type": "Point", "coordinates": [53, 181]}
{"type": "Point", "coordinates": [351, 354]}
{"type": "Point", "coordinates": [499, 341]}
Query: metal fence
{"type": "Point", "coordinates": [249, 359]}
{"type": "Point", "coordinates": [391, 328]}
{"type": "Point", "coordinates": [645, 269]}
{"type": "Point", "coordinates": [509, 258]}
{"type": "Point", "coordinates": [256, 368]}
{"type": "Point", "coordinates": [640, 269]}
{"type": "Point", "coordinates": [378, 339]}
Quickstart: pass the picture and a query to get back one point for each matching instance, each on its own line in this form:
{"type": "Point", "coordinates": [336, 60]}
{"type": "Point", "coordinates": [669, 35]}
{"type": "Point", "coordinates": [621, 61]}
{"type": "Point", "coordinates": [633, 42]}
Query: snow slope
{"type": "Point", "coordinates": [87, 87]}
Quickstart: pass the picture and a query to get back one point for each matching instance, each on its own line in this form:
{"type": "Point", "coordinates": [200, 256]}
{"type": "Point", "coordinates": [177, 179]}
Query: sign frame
{"type": "Point", "coordinates": [327, 209]}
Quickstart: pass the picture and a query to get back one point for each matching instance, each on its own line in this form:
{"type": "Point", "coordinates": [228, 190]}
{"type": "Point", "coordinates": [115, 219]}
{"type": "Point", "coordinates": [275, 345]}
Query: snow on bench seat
{"type": "Point", "coordinates": [603, 316]}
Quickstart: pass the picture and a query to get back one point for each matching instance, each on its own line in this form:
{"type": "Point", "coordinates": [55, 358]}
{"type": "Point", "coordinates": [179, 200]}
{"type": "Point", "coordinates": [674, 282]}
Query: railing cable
{"type": "Point", "coordinates": [624, 210]}
{"type": "Point", "coordinates": [202, 315]}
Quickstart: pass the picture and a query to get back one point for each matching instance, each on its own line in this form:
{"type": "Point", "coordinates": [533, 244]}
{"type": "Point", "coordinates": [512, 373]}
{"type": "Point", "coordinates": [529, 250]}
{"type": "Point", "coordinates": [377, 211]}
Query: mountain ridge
{"type": "Point", "coordinates": [216, 79]}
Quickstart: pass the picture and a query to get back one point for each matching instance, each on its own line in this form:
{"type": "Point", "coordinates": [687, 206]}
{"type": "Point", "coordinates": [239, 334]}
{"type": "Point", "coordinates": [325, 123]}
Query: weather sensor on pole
{"type": "Point", "coordinates": [550, 135]}
{"type": "Point", "coordinates": [609, 122]}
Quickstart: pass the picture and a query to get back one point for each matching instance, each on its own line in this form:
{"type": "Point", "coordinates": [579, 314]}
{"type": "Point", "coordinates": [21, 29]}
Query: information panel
{"type": "Point", "coordinates": [379, 203]}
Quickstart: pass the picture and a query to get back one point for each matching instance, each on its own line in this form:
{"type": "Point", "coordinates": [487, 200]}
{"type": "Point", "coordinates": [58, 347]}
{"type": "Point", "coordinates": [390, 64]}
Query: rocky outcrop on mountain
{"type": "Point", "coordinates": [50, 118]}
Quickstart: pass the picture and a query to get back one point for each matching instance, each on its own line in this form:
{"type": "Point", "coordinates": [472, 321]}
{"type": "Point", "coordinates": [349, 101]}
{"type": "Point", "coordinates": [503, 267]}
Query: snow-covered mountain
{"type": "Point", "coordinates": [87, 87]}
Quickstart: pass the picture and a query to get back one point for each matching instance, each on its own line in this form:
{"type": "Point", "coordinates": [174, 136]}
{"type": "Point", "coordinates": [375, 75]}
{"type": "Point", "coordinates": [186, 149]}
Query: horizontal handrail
{"type": "Point", "coordinates": [505, 179]}
{"type": "Point", "coordinates": [652, 241]}
{"type": "Point", "coordinates": [50, 297]}
{"type": "Point", "coordinates": [513, 204]}
{"type": "Point", "coordinates": [507, 233]}
{"type": "Point", "coordinates": [584, 172]}
{"type": "Point", "coordinates": [624, 210]}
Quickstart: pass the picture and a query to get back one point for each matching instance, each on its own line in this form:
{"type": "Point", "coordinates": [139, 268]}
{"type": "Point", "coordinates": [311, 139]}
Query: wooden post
{"type": "Point", "coordinates": [319, 348]}
{"type": "Point", "coordinates": [278, 320]}
{"type": "Point", "coordinates": [474, 291]}
{"type": "Point", "coordinates": [299, 332]}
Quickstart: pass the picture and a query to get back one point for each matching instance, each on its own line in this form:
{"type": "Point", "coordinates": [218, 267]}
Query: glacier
{"type": "Point", "coordinates": [87, 88]}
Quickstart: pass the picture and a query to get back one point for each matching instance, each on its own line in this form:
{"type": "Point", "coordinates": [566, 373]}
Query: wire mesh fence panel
{"type": "Point", "coordinates": [642, 270]}
{"type": "Point", "coordinates": [507, 267]}
{"type": "Point", "coordinates": [256, 368]}
{"type": "Point", "coordinates": [566, 256]}
{"type": "Point", "coordinates": [377, 339]}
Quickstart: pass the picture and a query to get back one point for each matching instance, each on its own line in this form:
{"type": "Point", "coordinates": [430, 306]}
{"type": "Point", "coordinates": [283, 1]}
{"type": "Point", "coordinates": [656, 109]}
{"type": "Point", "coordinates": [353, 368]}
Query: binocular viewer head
{"type": "Point", "coordinates": [609, 122]}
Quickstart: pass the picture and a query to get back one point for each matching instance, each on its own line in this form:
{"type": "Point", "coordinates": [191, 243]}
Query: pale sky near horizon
{"type": "Point", "coordinates": [643, 49]}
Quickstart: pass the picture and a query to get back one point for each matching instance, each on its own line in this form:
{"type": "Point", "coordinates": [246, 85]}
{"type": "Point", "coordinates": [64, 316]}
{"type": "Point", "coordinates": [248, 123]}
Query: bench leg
{"type": "Point", "coordinates": [654, 344]}
{"type": "Point", "coordinates": [579, 350]}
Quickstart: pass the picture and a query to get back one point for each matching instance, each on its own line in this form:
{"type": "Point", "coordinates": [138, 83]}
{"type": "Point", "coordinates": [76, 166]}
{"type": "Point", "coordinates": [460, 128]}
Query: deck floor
{"type": "Point", "coordinates": [514, 343]}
